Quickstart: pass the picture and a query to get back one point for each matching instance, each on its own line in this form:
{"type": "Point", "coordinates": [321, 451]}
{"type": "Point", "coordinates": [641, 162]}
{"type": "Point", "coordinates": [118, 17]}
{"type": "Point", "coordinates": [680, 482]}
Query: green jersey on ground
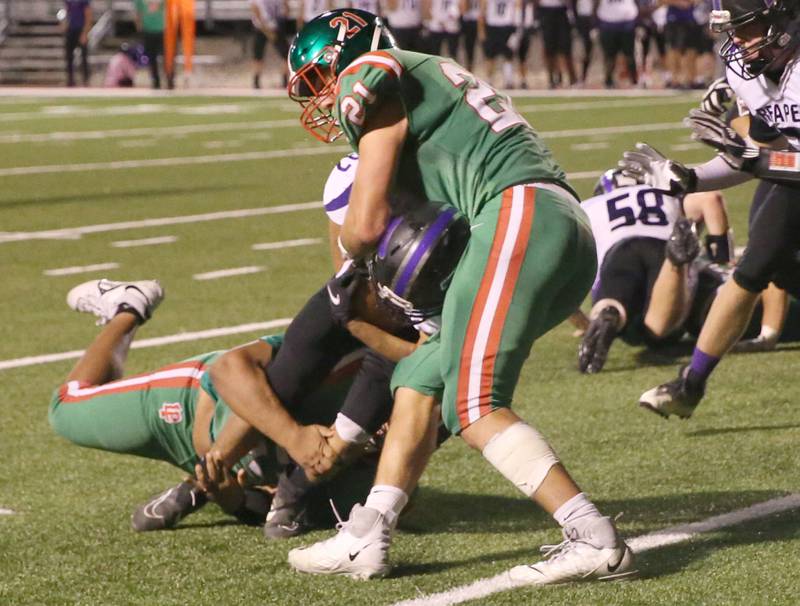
{"type": "Point", "coordinates": [465, 142]}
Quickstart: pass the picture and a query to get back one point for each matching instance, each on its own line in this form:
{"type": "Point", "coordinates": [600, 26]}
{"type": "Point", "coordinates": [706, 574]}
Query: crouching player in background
{"type": "Point", "coordinates": [646, 244]}
{"type": "Point", "coordinates": [175, 414]}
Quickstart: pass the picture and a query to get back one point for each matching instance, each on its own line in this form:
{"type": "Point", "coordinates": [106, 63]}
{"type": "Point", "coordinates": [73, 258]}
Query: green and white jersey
{"type": "Point", "coordinates": [465, 142]}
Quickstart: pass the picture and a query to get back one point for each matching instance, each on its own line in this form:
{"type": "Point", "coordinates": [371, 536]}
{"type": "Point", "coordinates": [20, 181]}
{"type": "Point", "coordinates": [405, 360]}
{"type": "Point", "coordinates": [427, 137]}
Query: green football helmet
{"type": "Point", "coordinates": [320, 52]}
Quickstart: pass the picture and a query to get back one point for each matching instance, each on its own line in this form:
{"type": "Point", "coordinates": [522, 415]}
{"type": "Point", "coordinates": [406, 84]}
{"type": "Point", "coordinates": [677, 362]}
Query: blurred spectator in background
{"type": "Point", "coordinates": [312, 8]}
{"type": "Point", "coordinates": [705, 70]}
{"type": "Point", "coordinates": [584, 24]}
{"type": "Point", "coordinates": [443, 19]}
{"type": "Point", "coordinates": [525, 30]}
{"type": "Point", "coordinates": [405, 21]}
{"type": "Point", "coordinates": [495, 26]}
{"type": "Point", "coordinates": [469, 30]}
{"type": "Point", "coordinates": [77, 24]}
{"type": "Point", "coordinates": [150, 21]}
{"type": "Point", "coordinates": [557, 37]}
{"type": "Point", "coordinates": [616, 20]}
{"type": "Point", "coordinates": [179, 18]}
{"type": "Point", "coordinates": [121, 71]}
{"type": "Point", "coordinates": [682, 34]}
{"type": "Point", "coordinates": [652, 18]}
{"type": "Point", "coordinates": [269, 21]}
{"type": "Point", "coordinates": [371, 6]}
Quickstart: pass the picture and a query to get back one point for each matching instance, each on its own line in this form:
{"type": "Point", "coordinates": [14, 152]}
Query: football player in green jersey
{"type": "Point", "coordinates": [177, 414]}
{"type": "Point", "coordinates": [426, 128]}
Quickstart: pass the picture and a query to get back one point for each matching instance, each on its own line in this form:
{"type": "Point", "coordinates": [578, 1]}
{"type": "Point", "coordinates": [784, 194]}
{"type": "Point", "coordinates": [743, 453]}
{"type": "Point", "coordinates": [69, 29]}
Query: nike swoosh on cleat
{"type": "Point", "coordinates": [353, 556]}
{"type": "Point", "coordinates": [335, 299]}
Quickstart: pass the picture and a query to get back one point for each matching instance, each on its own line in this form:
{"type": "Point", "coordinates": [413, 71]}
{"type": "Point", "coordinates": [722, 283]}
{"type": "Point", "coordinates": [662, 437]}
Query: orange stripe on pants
{"type": "Point", "coordinates": [179, 17]}
{"type": "Point", "coordinates": [493, 310]}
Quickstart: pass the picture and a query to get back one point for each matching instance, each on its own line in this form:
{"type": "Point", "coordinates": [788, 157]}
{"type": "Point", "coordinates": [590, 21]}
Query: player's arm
{"type": "Point", "coordinates": [87, 23]}
{"type": "Point", "coordinates": [379, 150]}
{"type": "Point", "coordinates": [709, 208]}
{"type": "Point", "coordinates": [386, 344]}
{"type": "Point", "coordinates": [239, 377]}
{"type": "Point", "coordinates": [334, 230]}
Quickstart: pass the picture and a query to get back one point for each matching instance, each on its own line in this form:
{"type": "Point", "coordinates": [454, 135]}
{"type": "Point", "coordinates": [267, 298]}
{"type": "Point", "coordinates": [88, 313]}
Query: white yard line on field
{"type": "Point", "coordinates": [581, 105]}
{"type": "Point", "coordinates": [72, 233]}
{"type": "Point", "coordinates": [153, 342]}
{"type": "Point", "coordinates": [286, 244]}
{"type": "Point", "coordinates": [285, 153]}
{"type": "Point", "coordinates": [164, 131]}
{"type": "Point", "coordinates": [80, 269]}
{"type": "Point", "coordinates": [174, 161]}
{"type": "Point", "coordinates": [227, 273]}
{"type": "Point", "coordinates": [6, 512]}
{"type": "Point", "coordinates": [653, 540]}
{"type": "Point", "coordinates": [144, 242]}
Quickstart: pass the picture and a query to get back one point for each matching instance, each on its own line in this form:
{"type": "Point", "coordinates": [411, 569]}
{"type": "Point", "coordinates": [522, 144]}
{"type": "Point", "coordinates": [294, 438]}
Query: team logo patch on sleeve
{"type": "Point", "coordinates": [171, 412]}
{"type": "Point", "coordinates": [787, 161]}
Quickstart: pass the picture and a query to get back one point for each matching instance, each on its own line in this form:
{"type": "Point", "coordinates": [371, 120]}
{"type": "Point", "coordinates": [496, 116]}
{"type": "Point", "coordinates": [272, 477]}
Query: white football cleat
{"type": "Point", "coordinates": [105, 299]}
{"type": "Point", "coordinates": [359, 550]}
{"type": "Point", "coordinates": [599, 554]}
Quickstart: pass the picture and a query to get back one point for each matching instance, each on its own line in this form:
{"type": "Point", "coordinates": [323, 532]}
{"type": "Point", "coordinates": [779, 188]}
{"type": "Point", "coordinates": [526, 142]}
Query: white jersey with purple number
{"type": "Point", "coordinates": [445, 15]}
{"type": "Point", "coordinates": [336, 194]}
{"type": "Point", "coordinates": [406, 14]}
{"type": "Point", "coordinates": [501, 13]}
{"type": "Point", "coordinates": [630, 212]}
{"type": "Point", "coordinates": [776, 104]}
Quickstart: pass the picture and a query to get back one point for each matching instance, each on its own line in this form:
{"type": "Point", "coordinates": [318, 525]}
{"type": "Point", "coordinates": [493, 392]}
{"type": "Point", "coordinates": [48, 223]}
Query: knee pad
{"type": "Point", "coordinates": [522, 455]}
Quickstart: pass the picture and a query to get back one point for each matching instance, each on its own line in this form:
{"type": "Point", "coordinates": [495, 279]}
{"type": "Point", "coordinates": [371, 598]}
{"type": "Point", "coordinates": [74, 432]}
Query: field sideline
{"type": "Point", "coordinates": [218, 197]}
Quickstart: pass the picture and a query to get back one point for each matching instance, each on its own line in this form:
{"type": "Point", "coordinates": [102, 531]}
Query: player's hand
{"type": "Point", "coordinates": [650, 167]}
{"type": "Point", "coordinates": [717, 97]}
{"type": "Point", "coordinates": [214, 477]}
{"type": "Point", "coordinates": [715, 132]}
{"type": "Point", "coordinates": [341, 290]}
{"type": "Point", "coordinates": [310, 450]}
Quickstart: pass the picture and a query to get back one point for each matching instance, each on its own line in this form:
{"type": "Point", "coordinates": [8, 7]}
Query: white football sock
{"type": "Point", "coordinates": [577, 509]}
{"type": "Point", "coordinates": [389, 500]}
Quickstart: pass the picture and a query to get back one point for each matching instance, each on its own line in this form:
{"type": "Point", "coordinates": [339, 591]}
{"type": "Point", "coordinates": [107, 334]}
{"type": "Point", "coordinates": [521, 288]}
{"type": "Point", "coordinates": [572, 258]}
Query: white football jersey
{"type": "Point", "coordinates": [501, 13]}
{"type": "Point", "coordinates": [630, 212]}
{"type": "Point", "coordinates": [445, 16]}
{"type": "Point", "coordinates": [371, 6]}
{"type": "Point", "coordinates": [407, 13]}
{"type": "Point", "coordinates": [776, 104]}
{"type": "Point", "coordinates": [617, 11]}
{"type": "Point", "coordinates": [336, 194]}
{"type": "Point", "coordinates": [312, 8]}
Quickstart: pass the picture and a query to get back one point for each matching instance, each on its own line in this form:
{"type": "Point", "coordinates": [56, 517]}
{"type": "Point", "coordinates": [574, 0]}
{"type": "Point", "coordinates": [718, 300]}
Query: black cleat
{"type": "Point", "coordinates": [168, 508]}
{"type": "Point", "coordinates": [678, 397]}
{"type": "Point", "coordinates": [286, 519]}
{"type": "Point", "coordinates": [683, 245]}
{"type": "Point", "coordinates": [593, 350]}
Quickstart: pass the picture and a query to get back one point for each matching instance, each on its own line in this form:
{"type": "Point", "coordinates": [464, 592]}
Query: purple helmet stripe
{"type": "Point", "coordinates": [383, 245]}
{"type": "Point", "coordinates": [716, 5]}
{"type": "Point", "coordinates": [429, 239]}
{"type": "Point", "coordinates": [339, 201]}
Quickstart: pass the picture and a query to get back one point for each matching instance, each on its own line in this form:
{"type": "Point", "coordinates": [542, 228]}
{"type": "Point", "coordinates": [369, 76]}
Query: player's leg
{"type": "Point", "coordinates": [187, 38]}
{"type": "Point", "coordinates": [535, 260]}
{"type": "Point", "coordinates": [618, 301]}
{"type": "Point", "coordinates": [171, 24]}
{"type": "Point", "coordinates": [770, 250]}
{"type": "Point", "coordinates": [259, 46]}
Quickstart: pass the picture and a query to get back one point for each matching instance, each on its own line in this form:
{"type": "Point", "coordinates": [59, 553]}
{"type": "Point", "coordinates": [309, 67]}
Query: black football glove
{"type": "Point", "coordinates": [715, 132]}
{"type": "Point", "coordinates": [341, 289]}
{"type": "Point", "coordinates": [717, 97]}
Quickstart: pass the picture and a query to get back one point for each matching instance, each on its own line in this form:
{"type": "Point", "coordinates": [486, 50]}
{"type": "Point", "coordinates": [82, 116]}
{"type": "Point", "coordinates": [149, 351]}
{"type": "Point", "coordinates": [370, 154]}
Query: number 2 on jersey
{"type": "Point", "coordinates": [491, 106]}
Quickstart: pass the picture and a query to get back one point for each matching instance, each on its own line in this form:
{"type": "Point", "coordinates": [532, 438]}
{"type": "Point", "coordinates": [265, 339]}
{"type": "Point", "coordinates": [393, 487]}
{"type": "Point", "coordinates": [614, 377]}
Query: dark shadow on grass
{"type": "Point", "coordinates": [443, 512]}
{"type": "Point", "coordinates": [184, 525]}
{"type": "Point", "coordinates": [722, 430]}
{"type": "Point", "coordinates": [103, 196]}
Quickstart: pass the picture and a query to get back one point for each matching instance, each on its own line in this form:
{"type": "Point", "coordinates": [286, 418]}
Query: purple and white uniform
{"type": "Point", "coordinates": [336, 194]}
